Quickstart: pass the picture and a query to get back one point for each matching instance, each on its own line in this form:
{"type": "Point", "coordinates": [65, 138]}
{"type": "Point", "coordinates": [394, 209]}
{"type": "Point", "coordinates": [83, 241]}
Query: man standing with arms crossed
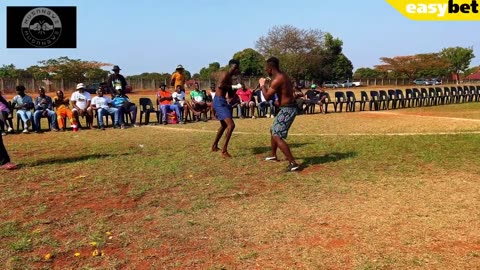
{"type": "Point", "coordinates": [223, 109]}
{"type": "Point", "coordinates": [283, 87]}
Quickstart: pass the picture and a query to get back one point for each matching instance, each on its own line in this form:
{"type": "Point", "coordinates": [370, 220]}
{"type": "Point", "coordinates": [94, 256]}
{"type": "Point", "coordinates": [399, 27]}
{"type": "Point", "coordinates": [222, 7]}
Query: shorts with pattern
{"type": "Point", "coordinates": [283, 121]}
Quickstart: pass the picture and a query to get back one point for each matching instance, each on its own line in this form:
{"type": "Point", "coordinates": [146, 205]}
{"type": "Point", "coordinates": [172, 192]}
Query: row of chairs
{"type": "Point", "coordinates": [395, 99]}
{"type": "Point", "coordinates": [147, 107]}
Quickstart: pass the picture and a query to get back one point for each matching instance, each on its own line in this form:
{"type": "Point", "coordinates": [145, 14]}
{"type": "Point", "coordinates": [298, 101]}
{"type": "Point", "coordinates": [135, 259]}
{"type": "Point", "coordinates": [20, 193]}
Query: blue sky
{"type": "Point", "coordinates": [155, 36]}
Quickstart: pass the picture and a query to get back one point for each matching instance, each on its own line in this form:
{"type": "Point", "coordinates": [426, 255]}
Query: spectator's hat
{"type": "Point", "coordinates": [314, 86]}
{"type": "Point", "coordinates": [179, 67]}
{"type": "Point", "coordinates": [116, 68]}
{"type": "Point", "coordinates": [80, 86]}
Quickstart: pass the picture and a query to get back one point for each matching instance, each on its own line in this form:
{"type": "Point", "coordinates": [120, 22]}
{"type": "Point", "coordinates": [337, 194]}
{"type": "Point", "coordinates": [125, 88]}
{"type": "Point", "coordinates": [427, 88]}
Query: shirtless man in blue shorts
{"type": "Point", "coordinates": [283, 87]}
{"type": "Point", "coordinates": [223, 109]}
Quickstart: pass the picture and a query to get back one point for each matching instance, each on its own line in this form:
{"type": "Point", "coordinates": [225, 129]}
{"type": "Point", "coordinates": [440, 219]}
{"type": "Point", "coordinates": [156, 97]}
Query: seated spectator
{"type": "Point", "coordinates": [300, 98]}
{"type": "Point", "coordinates": [198, 103]}
{"type": "Point", "coordinates": [62, 109]}
{"type": "Point", "coordinates": [264, 104]}
{"type": "Point", "coordinates": [179, 100]}
{"type": "Point", "coordinates": [313, 96]}
{"type": "Point", "coordinates": [5, 116]}
{"type": "Point", "coordinates": [81, 101]}
{"type": "Point", "coordinates": [44, 108]}
{"type": "Point", "coordinates": [164, 98]}
{"type": "Point", "coordinates": [23, 104]}
{"type": "Point", "coordinates": [321, 99]}
{"type": "Point", "coordinates": [245, 96]}
{"type": "Point", "coordinates": [103, 106]}
{"type": "Point", "coordinates": [122, 102]}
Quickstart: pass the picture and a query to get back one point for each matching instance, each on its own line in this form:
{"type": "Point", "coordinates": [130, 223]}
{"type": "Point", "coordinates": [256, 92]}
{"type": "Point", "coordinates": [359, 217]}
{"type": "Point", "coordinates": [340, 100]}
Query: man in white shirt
{"type": "Point", "coordinates": [81, 101]}
{"type": "Point", "coordinates": [103, 106]}
{"type": "Point", "coordinates": [179, 100]}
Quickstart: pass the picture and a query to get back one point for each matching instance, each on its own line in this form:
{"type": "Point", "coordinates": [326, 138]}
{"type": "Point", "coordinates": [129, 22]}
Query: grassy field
{"type": "Point", "coordinates": [379, 190]}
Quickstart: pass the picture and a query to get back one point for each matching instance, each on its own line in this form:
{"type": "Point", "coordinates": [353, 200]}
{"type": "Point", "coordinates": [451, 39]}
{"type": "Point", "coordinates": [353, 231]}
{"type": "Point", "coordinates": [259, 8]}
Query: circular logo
{"type": "Point", "coordinates": [41, 27]}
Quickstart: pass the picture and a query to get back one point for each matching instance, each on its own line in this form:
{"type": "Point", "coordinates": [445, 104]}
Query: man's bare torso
{"type": "Point", "coordinates": [284, 89]}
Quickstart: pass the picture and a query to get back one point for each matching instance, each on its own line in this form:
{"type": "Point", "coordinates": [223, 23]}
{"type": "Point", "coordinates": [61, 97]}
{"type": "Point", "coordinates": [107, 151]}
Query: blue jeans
{"type": "Point", "coordinates": [37, 115]}
{"type": "Point", "coordinates": [170, 107]}
{"type": "Point", "coordinates": [108, 111]}
{"type": "Point", "coordinates": [263, 107]}
{"type": "Point", "coordinates": [25, 115]}
{"type": "Point", "coordinates": [122, 110]}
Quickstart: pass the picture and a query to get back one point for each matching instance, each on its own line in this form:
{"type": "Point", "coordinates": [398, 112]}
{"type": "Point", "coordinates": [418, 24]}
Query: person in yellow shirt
{"type": "Point", "coordinates": [62, 110]}
{"type": "Point", "coordinates": [178, 77]}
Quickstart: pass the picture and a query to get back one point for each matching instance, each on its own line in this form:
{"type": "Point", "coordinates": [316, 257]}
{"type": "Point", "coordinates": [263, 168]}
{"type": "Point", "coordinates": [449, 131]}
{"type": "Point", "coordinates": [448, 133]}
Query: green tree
{"type": "Point", "coordinates": [328, 62]}
{"type": "Point", "coordinates": [294, 48]}
{"type": "Point", "coordinates": [70, 69]}
{"type": "Point", "coordinates": [366, 73]}
{"type": "Point", "coordinates": [471, 70]}
{"type": "Point", "coordinates": [38, 73]}
{"type": "Point", "coordinates": [206, 73]}
{"type": "Point", "coordinates": [96, 74]}
{"type": "Point", "coordinates": [458, 58]}
{"type": "Point", "coordinates": [411, 66]}
{"type": "Point", "coordinates": [8, 71]}
{"type": "Point", "coordinates": [188, 75]}
{"type": "Point", "coordinates": [252, 63]}
{"type": "Point", "coordinates": [342, 67]}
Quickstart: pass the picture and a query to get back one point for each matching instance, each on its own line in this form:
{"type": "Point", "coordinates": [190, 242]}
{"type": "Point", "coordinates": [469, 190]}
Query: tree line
{"type": "Point", "coordinates": [305, 54]}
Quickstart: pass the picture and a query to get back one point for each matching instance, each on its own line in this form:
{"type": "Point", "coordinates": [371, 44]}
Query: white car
{"type": "Point", "coordinates": [357, 84]}
{"type": "Point", "coordinates": [346, 84]}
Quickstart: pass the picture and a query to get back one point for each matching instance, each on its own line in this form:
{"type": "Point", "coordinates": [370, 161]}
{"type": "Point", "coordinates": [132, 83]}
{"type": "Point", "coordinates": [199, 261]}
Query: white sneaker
{"type": "Point", "coordinates": [10, 129]}
{"type": "Point", "coordinates": [253, 117]}
{"type": "Point", "coordinates": [267, 115]}
{"type": "Point", "coordinates": [26, 131]}
{"type": "Point", "coordinates": [272, 116]}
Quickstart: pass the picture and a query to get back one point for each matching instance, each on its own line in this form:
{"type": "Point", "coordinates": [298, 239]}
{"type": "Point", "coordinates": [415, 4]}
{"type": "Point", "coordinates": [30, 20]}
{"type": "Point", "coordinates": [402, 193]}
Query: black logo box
{"type": "Point", "coordinates": [67, 38]}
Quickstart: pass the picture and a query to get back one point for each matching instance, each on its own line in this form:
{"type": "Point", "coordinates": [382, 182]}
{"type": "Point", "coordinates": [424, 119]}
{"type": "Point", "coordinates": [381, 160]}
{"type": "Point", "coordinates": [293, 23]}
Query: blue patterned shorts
{"type": "Point", "coordinates": [283, 121]}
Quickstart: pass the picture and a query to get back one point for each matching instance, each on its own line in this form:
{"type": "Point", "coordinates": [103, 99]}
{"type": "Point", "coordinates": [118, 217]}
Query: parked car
{"type": "Point", "coordinates": [330, 84]}
{"type": "Point", "coordinates": [92, 88]}
{"type": "Point", "coordinates": [357, 84]}
{"type": "Point", "coordinates": [346, 83]}
{"type": "Point", "coordinates": [435, 81]}
{"type": "Point", "coordinates": [421, 81]}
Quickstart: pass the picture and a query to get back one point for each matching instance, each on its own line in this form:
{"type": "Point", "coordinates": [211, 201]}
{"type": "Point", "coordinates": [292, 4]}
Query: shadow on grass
{"type": "Point", "coordinates": [67, 160]}
{"type": "Point", "coordinates": [327, 158]}
{"type": "Point", "coordinates": [267, 149]}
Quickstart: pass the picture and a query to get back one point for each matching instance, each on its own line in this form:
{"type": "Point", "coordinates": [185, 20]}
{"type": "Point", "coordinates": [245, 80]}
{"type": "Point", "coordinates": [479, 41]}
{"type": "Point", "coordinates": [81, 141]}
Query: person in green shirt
{"type": "Point", "coordinates": [198, 103]}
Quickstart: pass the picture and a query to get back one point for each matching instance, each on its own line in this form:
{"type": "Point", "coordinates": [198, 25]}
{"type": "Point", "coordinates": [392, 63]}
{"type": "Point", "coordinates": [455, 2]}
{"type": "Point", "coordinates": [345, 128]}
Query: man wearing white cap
{"type": "Point", "coordinates": [178, 77]}
{"type": "Point", "coordinates": [81, 105]}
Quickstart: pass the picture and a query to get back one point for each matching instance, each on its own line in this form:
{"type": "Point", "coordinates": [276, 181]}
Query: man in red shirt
{"type": "Point", "coordinates": [164, 98]}
{"type": "Point", "coordinates": [246, 101]}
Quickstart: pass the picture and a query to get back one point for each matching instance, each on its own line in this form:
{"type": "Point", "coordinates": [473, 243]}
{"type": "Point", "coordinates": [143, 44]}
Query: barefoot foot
{"type": "Point", "coordinates": [226, 155]}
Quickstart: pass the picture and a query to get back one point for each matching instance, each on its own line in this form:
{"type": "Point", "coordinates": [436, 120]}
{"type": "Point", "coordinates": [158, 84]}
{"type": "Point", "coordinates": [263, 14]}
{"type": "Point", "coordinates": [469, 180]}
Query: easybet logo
{"type": "Point", "coordinates": [437, 10]}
